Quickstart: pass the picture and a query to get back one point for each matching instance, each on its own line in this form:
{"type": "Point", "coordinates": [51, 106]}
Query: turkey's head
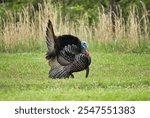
{"type": "Point", "coordinates": [84, 50]}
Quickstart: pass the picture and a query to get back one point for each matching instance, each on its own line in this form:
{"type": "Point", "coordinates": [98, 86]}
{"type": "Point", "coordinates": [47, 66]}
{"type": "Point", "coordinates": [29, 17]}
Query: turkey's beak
{"type": "Point", "coordinates": [87, 72]}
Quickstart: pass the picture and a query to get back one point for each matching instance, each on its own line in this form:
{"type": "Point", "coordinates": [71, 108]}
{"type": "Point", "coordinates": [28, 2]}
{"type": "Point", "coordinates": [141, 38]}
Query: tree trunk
{"type": "Point", "coordinates": [112, 12]}
{"type": "Point", "coordinates": [63, 11]}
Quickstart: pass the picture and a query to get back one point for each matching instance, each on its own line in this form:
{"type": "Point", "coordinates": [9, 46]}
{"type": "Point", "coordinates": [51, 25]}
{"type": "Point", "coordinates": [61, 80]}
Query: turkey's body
{"type": "Point", "coordinates": [65, 54]}
{"type": "Point", "coordinates": [68, 40]}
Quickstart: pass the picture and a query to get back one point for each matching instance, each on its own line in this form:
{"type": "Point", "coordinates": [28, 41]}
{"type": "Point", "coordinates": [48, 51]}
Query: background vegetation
{"type": "Point", "coordinates": [22, 24]}
{"type": "Point", "coordinates": [120, 68]}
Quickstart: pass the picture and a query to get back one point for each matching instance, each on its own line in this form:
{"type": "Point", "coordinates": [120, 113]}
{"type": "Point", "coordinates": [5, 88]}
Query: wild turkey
{"type": "Point", "coordinates": [66, 54]}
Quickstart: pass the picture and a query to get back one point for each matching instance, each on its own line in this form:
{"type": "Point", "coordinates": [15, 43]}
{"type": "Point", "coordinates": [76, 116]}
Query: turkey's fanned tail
{"type": "Point", "coordinates": [50, 41]}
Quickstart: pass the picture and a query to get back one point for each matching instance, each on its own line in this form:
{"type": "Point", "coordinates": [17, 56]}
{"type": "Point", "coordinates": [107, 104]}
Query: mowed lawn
{"type": "Point", "coordinates": [113, 76]}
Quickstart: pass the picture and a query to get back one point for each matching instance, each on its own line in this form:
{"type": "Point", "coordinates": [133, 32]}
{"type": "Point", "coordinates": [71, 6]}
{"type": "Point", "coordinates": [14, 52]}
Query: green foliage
{"type": "Point", "coordinates": [16, 5]}
{"type": "Point", "coordinates": [126, 6]}
{"type": "Point", "coordinates": [78, 8]}
{"type": "Point", "coordinates": [73, 9]}
{"type": "Point", "coordinates": [113, 76]}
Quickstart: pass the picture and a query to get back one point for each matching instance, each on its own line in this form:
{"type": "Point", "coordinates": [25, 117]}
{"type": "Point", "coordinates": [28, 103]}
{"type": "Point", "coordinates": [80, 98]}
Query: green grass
{"type": "Point", "coordinates": [113, 76]}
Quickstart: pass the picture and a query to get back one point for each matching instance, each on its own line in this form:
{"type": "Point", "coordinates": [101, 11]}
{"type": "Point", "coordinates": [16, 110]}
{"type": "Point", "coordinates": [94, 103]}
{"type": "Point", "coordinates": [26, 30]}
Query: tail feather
{"type": "Point", "coordinates": [50, 41]}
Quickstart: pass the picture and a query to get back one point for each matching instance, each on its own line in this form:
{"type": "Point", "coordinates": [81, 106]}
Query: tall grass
{"type": "Point", "coordinates": [25, 31]}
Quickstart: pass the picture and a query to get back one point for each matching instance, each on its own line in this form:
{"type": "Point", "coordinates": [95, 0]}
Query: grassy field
{"type": "Point", "coordinates": [120, 68]}
{"type": "Point", "coordinates": [113, 76]}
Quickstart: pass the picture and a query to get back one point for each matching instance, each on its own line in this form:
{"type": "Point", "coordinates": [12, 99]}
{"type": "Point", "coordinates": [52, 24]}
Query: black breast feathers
{"type": "Point", "coordinates": [66, 54]}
